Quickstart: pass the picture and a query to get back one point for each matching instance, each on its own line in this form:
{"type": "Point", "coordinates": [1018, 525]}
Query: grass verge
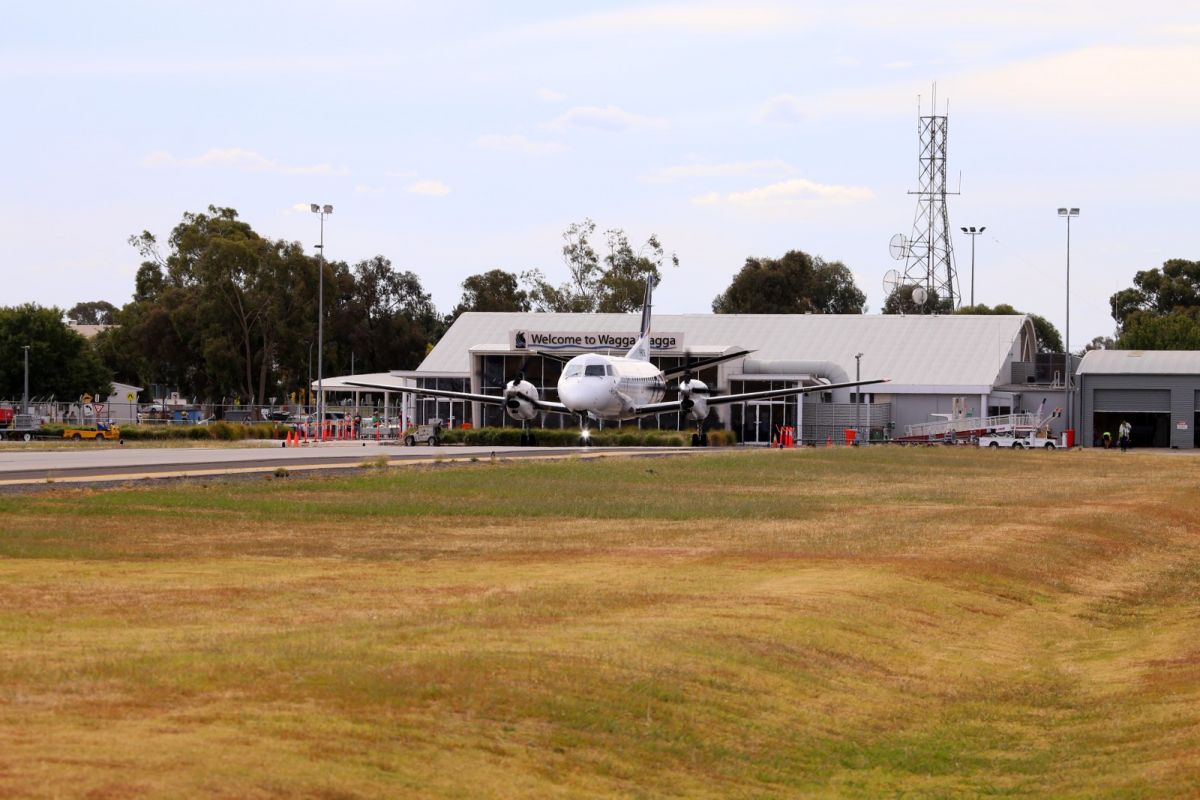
{"type": "Point", "coordinates": [830, 623]}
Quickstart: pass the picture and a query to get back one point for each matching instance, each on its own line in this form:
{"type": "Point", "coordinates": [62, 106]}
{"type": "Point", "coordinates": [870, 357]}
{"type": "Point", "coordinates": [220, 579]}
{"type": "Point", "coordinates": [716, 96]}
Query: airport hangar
{"type": "Point", "coordinates": [1156, 391]}
{"type": "Point", "coordinates": [991, 362]}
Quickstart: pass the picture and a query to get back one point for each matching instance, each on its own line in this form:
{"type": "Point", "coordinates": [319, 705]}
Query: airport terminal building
{"type": "Point", "coordinates": [983, 365]}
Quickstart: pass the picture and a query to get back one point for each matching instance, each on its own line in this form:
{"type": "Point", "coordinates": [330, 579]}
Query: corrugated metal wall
{"type": "Point", "coordinates": [1131, 400]}
{"type": "Point", "coordinates": [1176, 396]}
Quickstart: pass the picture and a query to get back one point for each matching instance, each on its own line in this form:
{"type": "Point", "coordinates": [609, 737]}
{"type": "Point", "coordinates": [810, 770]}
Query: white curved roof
{"type": "Point", "coordinates": [971, 352]}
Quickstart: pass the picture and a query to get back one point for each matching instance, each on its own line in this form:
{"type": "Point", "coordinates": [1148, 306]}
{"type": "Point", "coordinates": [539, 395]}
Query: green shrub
{"type": "Point", "coordinates": [722, 438]}
{"type": "Point", "coordinates": [569, 437]}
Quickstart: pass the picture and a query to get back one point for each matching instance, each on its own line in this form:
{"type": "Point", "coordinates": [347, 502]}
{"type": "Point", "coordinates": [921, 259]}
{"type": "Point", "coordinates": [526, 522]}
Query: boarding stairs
{"type": "Point", "coordinates": [970, 426]}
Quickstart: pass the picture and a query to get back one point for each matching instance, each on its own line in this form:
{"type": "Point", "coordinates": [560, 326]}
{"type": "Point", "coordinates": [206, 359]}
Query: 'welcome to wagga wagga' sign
{"type": "Point", "coordinates": [589, 340]}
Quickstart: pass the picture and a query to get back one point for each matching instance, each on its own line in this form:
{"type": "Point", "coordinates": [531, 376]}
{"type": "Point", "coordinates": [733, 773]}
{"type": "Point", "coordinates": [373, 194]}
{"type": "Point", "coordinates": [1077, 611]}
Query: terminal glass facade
{"type": "Point", "coordinates": [496, 371]}
{"type": "Point", "coordinates": [453, 413]}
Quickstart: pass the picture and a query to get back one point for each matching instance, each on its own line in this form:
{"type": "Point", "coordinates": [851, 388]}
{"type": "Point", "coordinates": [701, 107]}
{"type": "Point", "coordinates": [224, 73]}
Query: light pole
{"type": "Point", "coordinates": [25, 396]}
{"type": "Point", "coordinates": [973, 232]}
{"type": "Point", "coordinates": [857, 398]}
{"type": "Point", "coordinates": [321, 211]}
{"type": "Point", "coordinates": [308, 386]}
{"type": "Point", "coordinates": [1067, 213]}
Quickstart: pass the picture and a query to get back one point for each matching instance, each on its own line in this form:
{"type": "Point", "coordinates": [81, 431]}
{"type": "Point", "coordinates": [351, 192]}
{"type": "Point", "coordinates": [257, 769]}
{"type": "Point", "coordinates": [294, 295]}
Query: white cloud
{"type": "Point", "coordinates": [706, 199]}
{"type": "Point", "coordinates": [609, 118]}
{"type": "Point", "coordinates": [240, 159]}
{"type": "Point", "coordinates": [783, 109]}
{"type": "Point", "coordinates": [1120, 84]}
{"type": "Point", "coordinates": [707, 18]}
{"type": "Point", "coordinates": [550, 96]}
{"type": "Point", "coordinates": [799, 189]}
{"type": "Point", "coordinates": [735, 169]}
{"type": "Point", "coordinates": [430, 188]}
{"type": "Point", "coordinates": [516, 143]}
{"type": "Point", "coordinates": [1113, 81]}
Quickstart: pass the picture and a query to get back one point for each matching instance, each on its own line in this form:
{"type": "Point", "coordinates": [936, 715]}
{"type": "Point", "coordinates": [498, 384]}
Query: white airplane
{"type": "Point", "coordinates": [617, 388]}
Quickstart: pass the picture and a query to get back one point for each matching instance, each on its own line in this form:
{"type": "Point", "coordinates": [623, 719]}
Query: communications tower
{"type": "Point", "coordinates": [928, 254]}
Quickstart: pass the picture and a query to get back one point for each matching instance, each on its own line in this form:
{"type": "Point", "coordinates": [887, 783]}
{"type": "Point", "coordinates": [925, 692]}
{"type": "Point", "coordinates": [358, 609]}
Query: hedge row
{"type": "Point", "coordinates": [555, 437]}
{"type": "Point", "coordinates": [218, 431]}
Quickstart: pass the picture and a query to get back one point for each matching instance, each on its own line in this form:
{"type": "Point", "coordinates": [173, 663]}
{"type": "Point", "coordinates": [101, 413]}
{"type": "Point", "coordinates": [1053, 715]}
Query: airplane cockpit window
{"type": "Point", "coordinates": [573, 371]}
{"type": "Point", "coordinates": [594, 370]}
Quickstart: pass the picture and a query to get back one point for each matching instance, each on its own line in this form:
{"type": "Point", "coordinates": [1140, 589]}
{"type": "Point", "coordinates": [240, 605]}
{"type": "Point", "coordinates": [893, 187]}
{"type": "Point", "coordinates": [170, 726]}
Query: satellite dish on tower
{"type": "Point", "coordinates": [891, 280]}
{"type": "Point", "coordinates": [919, 295]}
{"type": "Point", "coordinates": [899, 247]}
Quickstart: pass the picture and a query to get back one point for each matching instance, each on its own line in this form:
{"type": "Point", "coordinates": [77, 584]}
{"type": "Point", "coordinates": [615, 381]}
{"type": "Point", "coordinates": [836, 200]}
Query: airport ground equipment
{"type": "Point", "coordinates": [1017, 442]}
{"type": "Point", "coordinates": [958, 425]}
{"type": "Point", "coordinates": [21, 427]}
{"type": "Point", "coordinates": [99, 433]}
{"type": "Point", "coordinates": [428, 434]}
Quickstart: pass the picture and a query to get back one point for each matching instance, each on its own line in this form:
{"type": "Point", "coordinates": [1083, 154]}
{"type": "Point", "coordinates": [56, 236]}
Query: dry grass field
{"type": "Point", "coordinates": [831, 623]}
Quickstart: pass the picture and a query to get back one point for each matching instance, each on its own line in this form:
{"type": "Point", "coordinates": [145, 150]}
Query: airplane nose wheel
{"type": "Point", "coordinates": [700, 439]}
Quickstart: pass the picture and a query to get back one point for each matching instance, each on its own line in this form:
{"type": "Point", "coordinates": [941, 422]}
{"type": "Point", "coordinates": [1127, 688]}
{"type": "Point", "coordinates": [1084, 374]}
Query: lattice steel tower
{"type": "Point", "coordinates": [929, 253]}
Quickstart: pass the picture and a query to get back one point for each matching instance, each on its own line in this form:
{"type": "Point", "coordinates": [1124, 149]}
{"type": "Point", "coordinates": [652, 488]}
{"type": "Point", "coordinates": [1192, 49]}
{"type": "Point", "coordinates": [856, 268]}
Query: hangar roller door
{"type": "Point", "coordinates": [1155, 400]}
{"type": "Point", "coordinates": [1148, 412]}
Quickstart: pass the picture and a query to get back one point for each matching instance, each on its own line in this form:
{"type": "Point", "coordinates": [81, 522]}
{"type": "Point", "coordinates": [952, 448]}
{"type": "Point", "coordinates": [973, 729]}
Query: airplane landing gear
{"type": "Point", "coordinates": [700, 439]}
{"type": "Point", "coordinates": [527, 438]}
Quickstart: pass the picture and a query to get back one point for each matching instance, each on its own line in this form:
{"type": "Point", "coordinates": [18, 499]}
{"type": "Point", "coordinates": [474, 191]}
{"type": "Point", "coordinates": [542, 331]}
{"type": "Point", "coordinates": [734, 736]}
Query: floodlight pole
{"type": "Point", "coordinates": [25, 396]}
{"type": "Point", "coordinates": [321, 211]}
{"type": "Point", "coordinates": [308, 386]}
{"type": "Point", "coordinates": [973, 232]}
{"type": "Point", "coordinates": [857, 399]}
{"type": "Point", "coordinates": [1067, 213]}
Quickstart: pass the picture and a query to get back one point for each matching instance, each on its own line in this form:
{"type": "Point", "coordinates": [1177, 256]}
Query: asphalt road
{"type": "Point", "coordinates": [103, 463]}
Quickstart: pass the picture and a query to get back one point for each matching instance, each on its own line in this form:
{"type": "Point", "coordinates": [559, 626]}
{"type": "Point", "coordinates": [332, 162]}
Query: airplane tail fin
{"type": "Point", "coordinates": [641, 349]}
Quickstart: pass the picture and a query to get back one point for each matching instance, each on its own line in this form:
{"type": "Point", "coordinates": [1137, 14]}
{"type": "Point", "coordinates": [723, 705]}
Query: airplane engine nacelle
{"type": "Point", "coordinates": [693, 396]}
{"type": "Point", "coordinates": [520, 398]}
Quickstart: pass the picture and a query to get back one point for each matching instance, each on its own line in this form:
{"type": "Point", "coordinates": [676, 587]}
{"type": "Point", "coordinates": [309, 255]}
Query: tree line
{"type": "Point", "coordinates": [222, 312]}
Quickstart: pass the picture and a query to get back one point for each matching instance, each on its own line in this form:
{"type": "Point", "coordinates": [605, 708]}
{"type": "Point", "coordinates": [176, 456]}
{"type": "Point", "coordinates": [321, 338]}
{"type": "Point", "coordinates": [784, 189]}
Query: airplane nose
{"type": "Point", "coordinates": [570, 395]}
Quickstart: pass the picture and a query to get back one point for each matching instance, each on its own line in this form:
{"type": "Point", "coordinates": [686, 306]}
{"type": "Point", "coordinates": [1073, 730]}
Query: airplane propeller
{"type": "Point", "coordinates": [689, 375]}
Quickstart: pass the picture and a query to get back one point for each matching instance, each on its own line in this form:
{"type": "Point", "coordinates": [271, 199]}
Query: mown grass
{"type": "Point", "coordinates": [855, 623]}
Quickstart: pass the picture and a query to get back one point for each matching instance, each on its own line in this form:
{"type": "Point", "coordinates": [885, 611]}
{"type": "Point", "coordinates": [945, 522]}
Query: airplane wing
{"type": "Point", "coordinates": [471, 397]}
{"type": "Point", "coordinates": [725, 399]}
{"type": "Point", "coordinates": [704, 362]}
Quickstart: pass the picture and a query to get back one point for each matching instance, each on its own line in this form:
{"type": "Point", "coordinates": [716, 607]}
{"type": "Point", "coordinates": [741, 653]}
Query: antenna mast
{"type": "Point", "coordinates": [929, 252]}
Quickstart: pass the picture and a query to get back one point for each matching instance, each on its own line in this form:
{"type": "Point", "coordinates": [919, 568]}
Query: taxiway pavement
{"type": "Point", "coordinates": [105, 463]}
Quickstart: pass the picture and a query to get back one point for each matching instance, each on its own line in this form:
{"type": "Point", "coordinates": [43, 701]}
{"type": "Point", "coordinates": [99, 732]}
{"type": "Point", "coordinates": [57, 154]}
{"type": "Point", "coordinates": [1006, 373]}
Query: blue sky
{"type": "Point", "coordinates": [460, 137]}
